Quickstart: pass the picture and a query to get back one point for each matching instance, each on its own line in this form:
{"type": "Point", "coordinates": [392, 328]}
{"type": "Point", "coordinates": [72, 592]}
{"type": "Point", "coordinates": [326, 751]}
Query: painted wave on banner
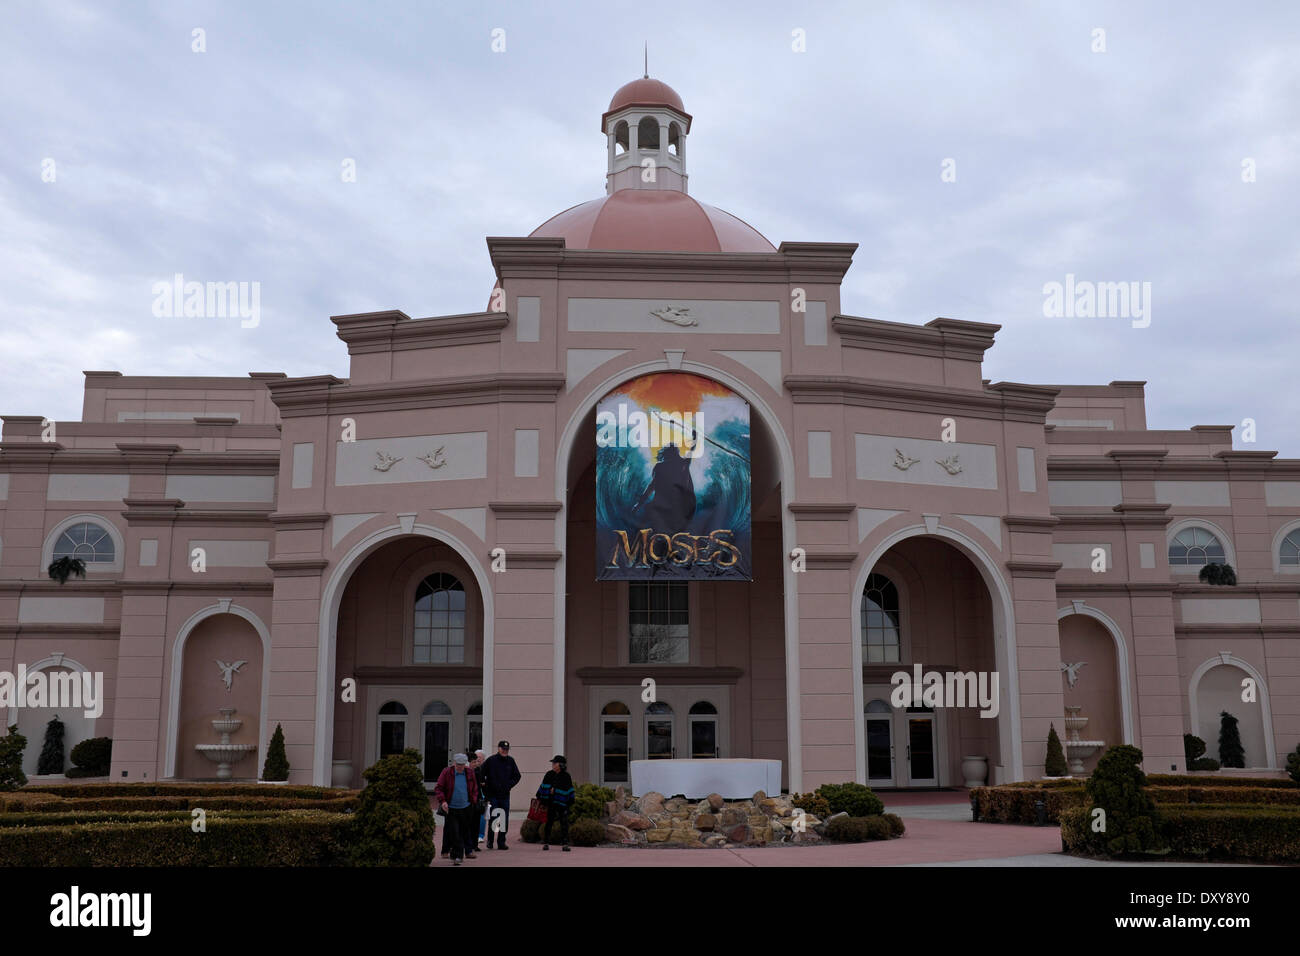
{"type": "Point", "coordinates": [673, 481]}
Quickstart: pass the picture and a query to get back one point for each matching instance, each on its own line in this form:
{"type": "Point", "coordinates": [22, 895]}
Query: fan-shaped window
{"type": "Point", "coordinates": [647, 133]}
{"type": "Point", "coordinates": [674, 139]}
{"type": "Point", "coordinates": [659, 707]}
{"type": "Point", "coordinates": [440, 620]}
{"type": "Point", "coordinates": [703, 707]}
{"type": "Point", "coordinates": [620, 138]}
{"type": "Point", "coordinates": [877, 706]}
{"type": "Point", "coordinates": [1193, 547]}
{"type": "Point", "coordinates": [87, 541]}
{"type": "Point", "coordinates": [436, 707]}
{"type": "Point", "coordinates": [1289, 553]}
{"type": "Point", "coordinates": [615, 707]}
{"type": "Point", "coordinates": [881, 630]}
{"type": "Point", "coordinates": [392, 707]}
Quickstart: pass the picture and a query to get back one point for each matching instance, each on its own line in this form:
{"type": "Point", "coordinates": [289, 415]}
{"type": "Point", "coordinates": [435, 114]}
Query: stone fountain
{"type": "Point", "coordinates": [1076, 750]}
{"type": "Point", "coordinates": [225, 754]}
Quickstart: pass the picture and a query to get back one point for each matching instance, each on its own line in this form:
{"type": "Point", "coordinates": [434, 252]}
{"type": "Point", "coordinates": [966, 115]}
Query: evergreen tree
{"type": "Point", "coordinates": [1056, 765]}
{"type": "Point", "coordinates": [277, 762]}
{"type": "Point", "coordinates": [1231, 753]}
{"type": "Point", "coordinates": [11, 760]}
{"type": "Point", "coordinates": [1130, 821]}
{"type": "Point", "coordinates": [51, 760]}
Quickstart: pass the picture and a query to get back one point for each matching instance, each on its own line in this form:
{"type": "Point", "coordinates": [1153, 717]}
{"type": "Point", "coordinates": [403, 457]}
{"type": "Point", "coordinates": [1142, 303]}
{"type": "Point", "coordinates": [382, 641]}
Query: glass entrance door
{"type": "Point", "coordinates": [704, 738]}
{"type": "Point", "coordinates": [437, 738]}
{"type": "Point", "coordinates": [880, 744]}
{"type": "Point", "coordinates": [614, 739]}
{"type": "Point", "coordinates": [922, 760]}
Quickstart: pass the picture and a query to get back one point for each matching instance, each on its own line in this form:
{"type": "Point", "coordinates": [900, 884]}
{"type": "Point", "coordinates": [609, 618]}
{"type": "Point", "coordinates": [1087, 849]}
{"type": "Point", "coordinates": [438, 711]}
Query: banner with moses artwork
{"type": "Point", "coordinates": [673, 481]}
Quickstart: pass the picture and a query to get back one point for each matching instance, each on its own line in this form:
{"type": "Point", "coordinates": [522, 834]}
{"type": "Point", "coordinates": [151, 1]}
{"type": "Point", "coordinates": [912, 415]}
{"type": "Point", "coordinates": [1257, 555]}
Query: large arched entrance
{"type": "Point", "coordinates": [932, 598]}
{"type": "Point", "coordinates": [409, 622]}
{"type": "Point", "coordinates": [715, 649]}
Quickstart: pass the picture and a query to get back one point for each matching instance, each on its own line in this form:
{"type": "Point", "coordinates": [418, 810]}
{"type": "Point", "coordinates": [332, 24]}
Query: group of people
{"type": "Point", "coordinates": [474, 797]}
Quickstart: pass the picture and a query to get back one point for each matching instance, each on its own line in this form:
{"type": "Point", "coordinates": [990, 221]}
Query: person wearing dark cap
{"type": "Point", "coordinates": [557, 793]}
{"type": "Point", "coordinates": [500, 775]}
{"type": "Point", "coordinates": [456, 793]}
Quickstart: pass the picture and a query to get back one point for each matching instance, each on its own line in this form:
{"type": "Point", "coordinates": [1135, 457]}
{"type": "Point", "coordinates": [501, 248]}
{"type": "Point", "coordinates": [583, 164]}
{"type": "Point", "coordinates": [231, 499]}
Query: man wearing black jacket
{"type": "Point", "coordinates": [500, 775]}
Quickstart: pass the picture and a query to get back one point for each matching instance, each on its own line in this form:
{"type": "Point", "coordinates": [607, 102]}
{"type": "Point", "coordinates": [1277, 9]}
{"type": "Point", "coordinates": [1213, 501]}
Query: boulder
{"type": "Point", "coordinates": [620, 796]}
{"type": "Point", "coordinates": [732, 816]}
{"type": "Point", "coordinates": [611, 808]}
{"type": "Point", "coordinates": [738, 834]}
{"type": "Point", "coordinates": [684, 836]}
{"type": "Point", "coordinates": [617, 834]}
{"type": "Point", "coordinates": [715, 839]}
{"type": "Point", "coordinates": [657, 835]}
{"type": "Point", "coordinates": [808, 837]}
{"type": "Point", "coordinates": [652, 803]}
{"type": "Point", "coordinates": [705, 821]}
{"type": "Point", "coordinates": [674, 804]}
{"type": "Point", "coordinates": [715, 801]}
{"type": "Point", "coordinates": [758, 795]}
{"type": "Point", "coordinates": [633, 821]}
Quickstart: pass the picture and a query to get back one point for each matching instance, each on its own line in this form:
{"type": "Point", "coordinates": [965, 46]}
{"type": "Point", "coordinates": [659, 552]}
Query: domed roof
{"type": "Point", "coordinates": [646, 92]}
{"type": "Point", "coordinates": [650, 220]}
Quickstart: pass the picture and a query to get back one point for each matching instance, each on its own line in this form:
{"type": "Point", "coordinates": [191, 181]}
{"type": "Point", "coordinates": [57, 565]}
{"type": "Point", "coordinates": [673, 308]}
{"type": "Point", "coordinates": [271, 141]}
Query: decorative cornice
{"type": "Point", "coordinates": [420, 674]}
{"type": "Point", "coordinates": [297, 567]}
{"type": "Point", "coordinates": [394, 331]}
{"type": "Point", "coordinates": [335, 397]}
{"type": "Point", "coordinates": [667, 673]}
{"type": "Point", "coordinates": [1222, 467]}
{"type": "Point", "coordinates": [246, 517]}
{"type": "Point", "coordinates": [28, 456]}
{"type": "Point", "coordinates": [999, 402]}
{"type": "Point", "coordinates": [830, 560]}
{"type": "Point", "coordinates": [1030, 523]}
{"type": "Point", "coordinates": [525, 510]}
{"type": "Point", "coordinates": [1034, 569]}
{"type": "Point", "coordinates": [823, 511]}
{"type": "Point", "coordinates": [307, 521]}
{"type": "Point", "coordinates": [1240, 630]}
{"type": "Point", "coordinates": [151, 511]}
{"type": "Point", "coordinates": [531, 559]}
{"type": "Point", "coordinates": [18, 630]}
{"type": "Point", "coordinates": [944, 338]}
{"type": "Point", "coordinates": [1120, 516]}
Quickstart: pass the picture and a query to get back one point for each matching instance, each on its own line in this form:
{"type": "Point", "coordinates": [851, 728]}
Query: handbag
{"type": "Point", "coordinates": [537, 811]}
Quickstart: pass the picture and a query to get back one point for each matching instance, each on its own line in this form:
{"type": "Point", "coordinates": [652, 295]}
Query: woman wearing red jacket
{"type": "Point", "coordinates": [456, 794]}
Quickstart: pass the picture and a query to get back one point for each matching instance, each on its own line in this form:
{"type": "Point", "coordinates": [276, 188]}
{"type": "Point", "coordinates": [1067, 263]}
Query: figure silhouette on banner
{"type": "Point", "coordinates": [668, 502]}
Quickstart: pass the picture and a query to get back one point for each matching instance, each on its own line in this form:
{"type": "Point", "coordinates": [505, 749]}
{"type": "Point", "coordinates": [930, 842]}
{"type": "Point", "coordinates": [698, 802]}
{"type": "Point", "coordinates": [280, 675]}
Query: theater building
{"type": "Point", "coordinates": [406, 555]}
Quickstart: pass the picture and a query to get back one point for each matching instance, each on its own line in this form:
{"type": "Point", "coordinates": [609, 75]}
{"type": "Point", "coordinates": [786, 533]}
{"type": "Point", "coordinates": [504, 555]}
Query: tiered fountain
{"type": "Point", "coordinates": [225, 754]}
{"type": "Point", "coordinates": [1076, 750]}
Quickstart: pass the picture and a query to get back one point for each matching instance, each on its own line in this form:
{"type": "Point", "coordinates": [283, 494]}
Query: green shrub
{"type": "Point", "coordinates": [1056, 765]}
{"type": "Point", "coordinates": [1193, 748]}
{"type": "Point", "coordinates": [855, 799]}
{"type": "Point", "coordinates": [1293, 764]}
{"type": "Point", "coordinates": [812, 803]}
{"type": "Point", "coordinates": [1258, 834]}
{"type": "Point", "coordinates": [293, 838]}
{"type": "Point", "coordinates": [1191, 780]}
{"type": "Point", "coordinates": [587, 831]}
{"type": "Point", "coordinates": [530, 831]}
{"type": "Point", "coordinates": [896, 825]}
{"type": "Point", "coordinates": [11, 760]}
{"type": "Point", "coordinates": [1117, 786]}
{"type": "Point", "coordinates": [589, 802]}
{"type": "Point", "coordinates": [394, 823]}
{"type": "Point", "coordinates": [859, 829]}
{"type": "Point", "coordinates": [1259, 796]}
{"type": "Point", "coordinates": [142, 789]}
{"type": "Point", "coordinates": [276, 766]}
{"type": "Point", "coordinates": [92, 757]}
{"type": "Point", "coordinates": [1231, 752]}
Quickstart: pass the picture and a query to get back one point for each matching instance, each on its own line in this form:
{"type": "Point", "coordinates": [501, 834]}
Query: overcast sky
{"type": "Point", "coordinates": [225, 165]}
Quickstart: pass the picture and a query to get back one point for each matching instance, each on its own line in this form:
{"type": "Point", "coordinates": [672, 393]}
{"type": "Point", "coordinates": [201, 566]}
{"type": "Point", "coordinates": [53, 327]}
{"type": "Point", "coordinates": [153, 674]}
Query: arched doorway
{"type": "Point", "coordinates": [412, 632]}
{"type": "Point", "coordinates": [932, 598]}
{"type": "Point", "coordinates": [720, 642]}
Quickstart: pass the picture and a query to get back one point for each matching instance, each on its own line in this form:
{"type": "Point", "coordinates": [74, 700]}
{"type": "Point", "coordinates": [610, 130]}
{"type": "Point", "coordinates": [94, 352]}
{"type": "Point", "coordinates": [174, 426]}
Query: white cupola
{"type": "Point", "coordinates": [646, 127]}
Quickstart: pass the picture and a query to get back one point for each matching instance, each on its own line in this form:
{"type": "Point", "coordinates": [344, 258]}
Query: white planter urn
{"type": "Point", "coordinates": [975, 770]}
{"type": "Point", "coordinates": [341, 773]}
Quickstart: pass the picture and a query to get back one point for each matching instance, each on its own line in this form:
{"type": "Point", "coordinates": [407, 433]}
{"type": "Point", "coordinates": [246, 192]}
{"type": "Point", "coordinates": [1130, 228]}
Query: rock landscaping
{"type": "Point", "coordinates": [656, 820]}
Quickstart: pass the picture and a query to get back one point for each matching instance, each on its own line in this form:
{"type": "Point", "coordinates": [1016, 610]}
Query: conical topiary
{"type": "Point", "coordinates": [51, 760]}
{"type": "Point", "coordinates": [1130, 823]}
{"type": "Point", "coordinates": [1056, 766]}
{"type": "Point", "coordinates": [1231, 753]}
{"type": "Point", "coordinates": [277, 762]}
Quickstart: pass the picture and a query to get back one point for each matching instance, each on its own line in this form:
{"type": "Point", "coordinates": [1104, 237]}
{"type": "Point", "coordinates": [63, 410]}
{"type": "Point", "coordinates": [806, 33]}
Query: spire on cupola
{"type": "Point", "coordinates": [646, 127]}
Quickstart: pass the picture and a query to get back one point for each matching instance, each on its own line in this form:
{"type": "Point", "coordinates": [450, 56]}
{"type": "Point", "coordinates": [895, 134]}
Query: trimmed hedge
{"type": "Point", "coordinates": [862, 829]}
{"type": "Point", "coordinates": [1270, 796]}
{"type": "Point", "coordinates": [1259, 834]}
{"type": "Point", "coordinates": [1228, 780]}
{"type": "Point", "coordinates": [78, 817]}
{"type": "Point", "coordinates": [586, 831]}
{"type": "Point", "coordinates": [187, 790]}
{"type": "Point", "coordinates": [1014, 803]}
{"type": "Point", "coordinates": [52, 803]}
{"type": "Point", "coordinates": [290, 838]}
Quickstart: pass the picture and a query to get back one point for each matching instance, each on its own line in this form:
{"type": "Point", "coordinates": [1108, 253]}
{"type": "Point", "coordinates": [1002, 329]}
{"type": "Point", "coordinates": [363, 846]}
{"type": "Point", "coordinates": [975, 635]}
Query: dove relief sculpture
{"type": "Point", "coordinates": [674, 314]}
{"type": "Point", "coordinates": [385, 461]}
{"type": "Point", "coordinates": [902, 462]}
{"type": "Point", "coordinates": [435, 459]}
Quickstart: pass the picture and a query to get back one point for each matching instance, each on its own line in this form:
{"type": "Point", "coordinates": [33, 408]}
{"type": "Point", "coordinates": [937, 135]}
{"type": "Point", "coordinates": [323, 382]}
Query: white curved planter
{"type": "Point", "coordinates": [975, 770]}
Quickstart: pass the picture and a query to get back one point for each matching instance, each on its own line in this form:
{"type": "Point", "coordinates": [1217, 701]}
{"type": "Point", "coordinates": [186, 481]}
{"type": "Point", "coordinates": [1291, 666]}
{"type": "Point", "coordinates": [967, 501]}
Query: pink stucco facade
{"type": "Point", "coordinates": [463, 446]}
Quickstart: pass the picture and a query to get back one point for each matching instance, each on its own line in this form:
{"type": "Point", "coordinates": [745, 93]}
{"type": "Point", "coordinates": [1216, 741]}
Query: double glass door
{"type": "Point", "coordinates": [902, 745]}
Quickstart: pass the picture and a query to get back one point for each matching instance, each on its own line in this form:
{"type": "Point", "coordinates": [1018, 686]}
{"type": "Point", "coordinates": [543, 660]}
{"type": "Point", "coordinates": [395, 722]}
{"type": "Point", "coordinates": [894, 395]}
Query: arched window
{"type": "Point", "coordinates": [703, 707]}
{"type": "Point", "coordinates": [674, 139]}
{"type": "Point", "coordinates": [703, 720]}
{"type": "Point", "coordinates": [620, 138]}
{"type": "Point", "coordinates": [435, 708]}
{"type": "Point", "coordinates": [615, 708]}
{"type": "Point", "coordinates": [392, 707]}
{"type": "Point", "coordinates": [440, 620]}
{"type": "Point", "coordinates": [881, 629]}
{"type": "Point", "coordinates": [1193, 547]}
{"type": "Point", "coordinates": [1289, 552]}
{"type": "Point", "coordinates": [87, 541]}
{"type": "Point", "coordinates": [647, 133]}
